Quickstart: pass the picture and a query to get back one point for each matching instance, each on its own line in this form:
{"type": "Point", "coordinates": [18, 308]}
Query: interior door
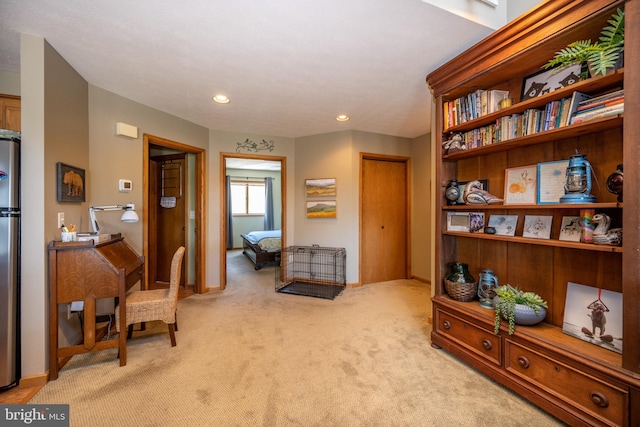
{"type": "Point", "coordinates": [168, 210]}
{"type": "Point", "coordinates": [384, 220]}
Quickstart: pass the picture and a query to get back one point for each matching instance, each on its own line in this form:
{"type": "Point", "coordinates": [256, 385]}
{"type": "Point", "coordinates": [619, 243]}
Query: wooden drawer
{"type": "Point", "coordinates": [472, 337]}
{"type": "Point", "coordinates": [604, 401]}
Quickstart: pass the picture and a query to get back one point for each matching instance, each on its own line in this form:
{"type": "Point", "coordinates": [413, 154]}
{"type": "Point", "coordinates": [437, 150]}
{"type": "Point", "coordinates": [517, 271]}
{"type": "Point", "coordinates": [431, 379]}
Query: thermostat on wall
{"type": "Point", "coordinates": [124, 185]}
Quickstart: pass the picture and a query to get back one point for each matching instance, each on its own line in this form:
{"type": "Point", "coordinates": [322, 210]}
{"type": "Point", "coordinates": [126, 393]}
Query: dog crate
{"type": "Point", "coordinates": [312, 271]}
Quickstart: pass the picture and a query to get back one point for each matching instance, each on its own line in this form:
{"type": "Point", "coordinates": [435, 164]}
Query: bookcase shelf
{"type": "Point", "coordinates": [540, 242]}
{"type": "Point", "coordinates": [562, 133]}
{"type": "Point", "coordinates": [595, 84]}
{"type": "Point", "coordinates": [577, 381]}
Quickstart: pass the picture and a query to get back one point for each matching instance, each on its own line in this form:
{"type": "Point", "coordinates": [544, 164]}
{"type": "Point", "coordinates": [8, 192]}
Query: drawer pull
{"type": "Point", "coordinates": [523, 362]}
{"type": "Point", "coordinates": [446, 324]}
{"type": "Point", "coordinates": [488, 345]}
{"type": "Point", "coordinates": [599, 399]}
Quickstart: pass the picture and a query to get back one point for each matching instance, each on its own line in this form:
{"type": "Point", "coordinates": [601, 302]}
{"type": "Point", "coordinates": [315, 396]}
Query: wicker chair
{"type": "Point", "coordinates": [156, 304]}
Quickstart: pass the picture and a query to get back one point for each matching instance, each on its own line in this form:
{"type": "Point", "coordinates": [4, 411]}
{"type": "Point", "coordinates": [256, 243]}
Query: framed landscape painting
{"type": "Point", "coordinates": [321, 209]}
{"type": "Point", "coordinates": [320, 187]}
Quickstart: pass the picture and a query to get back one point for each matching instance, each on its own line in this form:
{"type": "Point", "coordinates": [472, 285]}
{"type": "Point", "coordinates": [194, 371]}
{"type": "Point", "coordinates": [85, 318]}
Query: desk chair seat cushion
{"type": "Point", "coordinates": [147, 306]}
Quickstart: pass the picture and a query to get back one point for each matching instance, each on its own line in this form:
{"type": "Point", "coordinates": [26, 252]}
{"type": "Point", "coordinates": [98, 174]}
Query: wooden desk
{"type": "Point", "coordinates": [82, 271]}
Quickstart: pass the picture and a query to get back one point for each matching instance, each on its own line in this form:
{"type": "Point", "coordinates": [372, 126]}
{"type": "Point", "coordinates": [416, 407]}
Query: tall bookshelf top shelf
{"type": "Point", "coordinates": [612, 80]}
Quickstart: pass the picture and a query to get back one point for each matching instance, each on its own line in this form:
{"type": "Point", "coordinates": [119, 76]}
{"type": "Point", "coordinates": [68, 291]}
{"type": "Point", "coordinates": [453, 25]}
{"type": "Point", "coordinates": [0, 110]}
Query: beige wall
{"type": "Point", "coordinates": [337, 155]}
{"type": "Point", "coordinates": [52, 93]}
{"type": "Point", "coordinates": [9, 83]}
{"type": "Point", "coordinates": [422, 201]}
{"type": "Point", "coordinates": [116, 157]}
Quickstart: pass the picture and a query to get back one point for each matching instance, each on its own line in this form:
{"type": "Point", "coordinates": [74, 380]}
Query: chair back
{"type": "Point", "coordinates": [176, 268]}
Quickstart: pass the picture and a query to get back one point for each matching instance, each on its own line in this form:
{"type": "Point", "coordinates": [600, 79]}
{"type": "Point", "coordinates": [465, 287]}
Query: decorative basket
{"type": "Point", "coordinates": [461, 291]}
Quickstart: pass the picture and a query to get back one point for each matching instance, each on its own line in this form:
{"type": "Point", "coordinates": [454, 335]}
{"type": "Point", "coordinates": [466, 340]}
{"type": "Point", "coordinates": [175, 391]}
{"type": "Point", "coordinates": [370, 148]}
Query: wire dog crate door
{"type": "Point", "coordinates": [312, 271]}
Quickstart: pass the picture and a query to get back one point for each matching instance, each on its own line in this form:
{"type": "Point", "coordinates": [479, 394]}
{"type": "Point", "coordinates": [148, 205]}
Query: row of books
{"type": "Point", "coordinates": [472, 106]}
{"type": "Point", "coordinates": [577, 108]}
{"type": "Point", "coordinates": [590, 108]}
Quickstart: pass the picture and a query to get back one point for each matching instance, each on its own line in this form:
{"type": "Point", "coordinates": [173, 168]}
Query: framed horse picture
{"type": "Point", "coordinates": [70, 183]}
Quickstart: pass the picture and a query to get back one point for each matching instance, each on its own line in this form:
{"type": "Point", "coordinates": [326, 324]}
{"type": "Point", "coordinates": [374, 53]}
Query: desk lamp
{"type": "Point", "coordinates": [129, 214]}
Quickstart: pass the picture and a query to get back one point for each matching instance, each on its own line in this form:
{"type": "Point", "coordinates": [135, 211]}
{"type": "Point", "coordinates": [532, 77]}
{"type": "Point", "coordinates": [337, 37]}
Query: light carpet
{"type": "Point", "coordinates": [249, 356]}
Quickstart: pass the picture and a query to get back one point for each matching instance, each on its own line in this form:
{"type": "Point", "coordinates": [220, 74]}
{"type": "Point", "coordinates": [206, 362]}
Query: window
{"type": "Point", "coordinates": [247, 197]}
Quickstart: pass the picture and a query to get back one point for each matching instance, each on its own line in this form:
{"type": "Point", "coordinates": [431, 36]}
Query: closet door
{"type": "Point", "coordinates": [384, 222]}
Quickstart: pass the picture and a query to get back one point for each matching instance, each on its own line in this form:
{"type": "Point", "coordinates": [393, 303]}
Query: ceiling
{"type": "Point", "coordinates": [288, 66]}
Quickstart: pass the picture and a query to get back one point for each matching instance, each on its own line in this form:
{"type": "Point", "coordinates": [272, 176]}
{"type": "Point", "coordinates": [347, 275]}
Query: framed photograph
{"type": "Point", "coordinates": [547, 81]}
{"type": "Point", "coordinates": [320, 187]}
{"type": "Point", "coordinates": [469, 222]}
{"type": "Point", "coordinates": [551, 179]}
{"type": "Point", "coordinates": [520, 185]}
{"type": "Point", "coordinates": [594, 315]}
{"type": "Point", "coordinates": [462, 185]}
{"type": "Point", "coordinates": [70, 183]}
{"type": "Point", "coordinates": [537, 226]}
{"type": "Point", "coordinates": [505, 225]}
{"type": "Point", "coordinates": [321, 209]}
{"type": "Point", "coordinates": [571, 229]}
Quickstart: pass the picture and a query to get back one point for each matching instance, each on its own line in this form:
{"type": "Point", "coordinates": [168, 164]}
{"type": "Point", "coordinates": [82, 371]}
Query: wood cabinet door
{"type": "Point", "coordinates": [10, 116]}
{"type": "Point", "coordinates": [384, 225]}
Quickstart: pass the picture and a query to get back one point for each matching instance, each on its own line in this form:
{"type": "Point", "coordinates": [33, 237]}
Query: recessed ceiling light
{"type": "Point", "coordinates": [221, 99]}
{"type": "Point", "coordinates": [342, 118]}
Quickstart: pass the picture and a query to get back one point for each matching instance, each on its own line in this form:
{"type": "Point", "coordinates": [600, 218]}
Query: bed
{"type": "Point", "coordinates": [262, 247]}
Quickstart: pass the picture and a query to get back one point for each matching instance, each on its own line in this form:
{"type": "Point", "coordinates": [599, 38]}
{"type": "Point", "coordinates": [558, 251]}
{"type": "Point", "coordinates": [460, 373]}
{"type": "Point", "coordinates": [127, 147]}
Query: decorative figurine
{"type": "Point", "coordinates": [452, 193]}
{"type": "Point", "coordinates": [614, 183]}
{"type": "Point", "coordinates": [456, 143]}
{"type": "Point", "coordinates": [475, 195]}
{"type": "Point", "coordinates": [603, 235]}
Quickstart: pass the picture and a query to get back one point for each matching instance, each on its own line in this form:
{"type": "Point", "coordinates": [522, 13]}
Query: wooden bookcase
{"type": "Point", "coordinates": [576, 381]}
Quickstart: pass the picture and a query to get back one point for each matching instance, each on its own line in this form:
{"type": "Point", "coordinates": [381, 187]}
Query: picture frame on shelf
{"type": "Point", "coordinates": [547, 81]}
{"type": "Point", "coordinates": [570, 229]}
{"type": "Point", "coordinates": [70, 183]}
{"type": "Point", "coordinates": [320, 187]}
{"type": "Point", "coordinates": [551, 179]}
{"type": "Point", "coordinates": [467, 222]}
{"type": "Point", "coordinates": [537, 226]}
{"type": "Point", "coordinates": [505, 225]}
{"type": "Point", "coordinates": [587, 310]}
{"type": "Point", "coordinates": [520, 185]}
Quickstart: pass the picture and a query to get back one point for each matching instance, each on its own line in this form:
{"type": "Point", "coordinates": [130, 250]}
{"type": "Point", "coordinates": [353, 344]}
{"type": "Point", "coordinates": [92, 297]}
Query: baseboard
{"type": "Point", "coordinates": [34, 380]}
{"type": "Point", "coordinates": [421, 279]}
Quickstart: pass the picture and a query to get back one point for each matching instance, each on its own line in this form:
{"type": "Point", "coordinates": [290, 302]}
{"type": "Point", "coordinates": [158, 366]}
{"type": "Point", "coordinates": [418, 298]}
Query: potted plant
{"type": "Point", "coordinates": [518, 307]}
{"type": "Point", "coordinates": [600, 55]}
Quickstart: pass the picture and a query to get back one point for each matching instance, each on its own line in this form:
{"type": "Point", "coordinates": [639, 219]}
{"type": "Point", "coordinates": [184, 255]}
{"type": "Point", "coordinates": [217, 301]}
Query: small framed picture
{"type": "Point", "coordinates": [537, 226]}
{"type": "Point", "coordinates": [70, 183]}
{"type": "Point", "coordinates": [520, 185]}
{"type": "Point", "coordinates": [551, 179]}
{"type": "Point", "coordinates": [472, 222]}
{"type": "Point", "coordinates": [571, 228]}
{"type": "Point", "coordinates": [320, 187]}
{"type": "Point", "coordinates": [321, 209]}
{"type": "Point", "coordinates": [586, 312]}
{"type": "Point", "coordinates": [505, 225]}
{"type": "Point", "coordinates": [547, 81]}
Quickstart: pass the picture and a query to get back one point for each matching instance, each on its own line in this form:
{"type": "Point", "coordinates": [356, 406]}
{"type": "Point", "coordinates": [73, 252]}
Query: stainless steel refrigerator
{"type": "Point", "coordinates": [9, 257]}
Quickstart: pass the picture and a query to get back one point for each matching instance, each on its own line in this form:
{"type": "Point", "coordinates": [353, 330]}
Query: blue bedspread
{"type": "Point", "coordinates": [256, 236]}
